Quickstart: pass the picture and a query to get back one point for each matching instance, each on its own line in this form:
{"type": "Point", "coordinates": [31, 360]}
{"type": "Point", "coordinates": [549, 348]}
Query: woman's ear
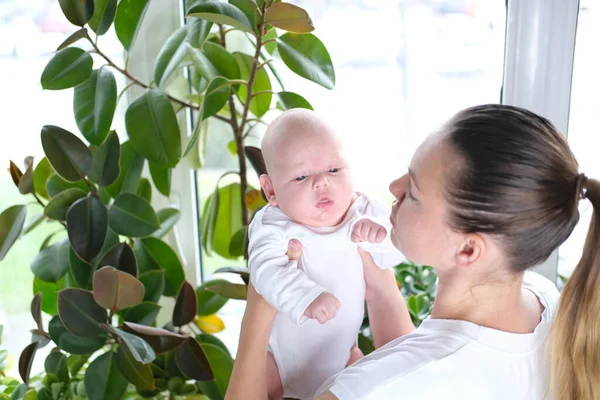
{"type": "Point", "coordinates": [267, 187]}
{"type": "Point", "coordinates": [471, 249]}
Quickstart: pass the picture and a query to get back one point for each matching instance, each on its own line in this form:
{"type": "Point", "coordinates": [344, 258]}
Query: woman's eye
{"type": "Point", "coordinates": [334, 170]}
{"type": "Point", "coordinates": [301, 178]}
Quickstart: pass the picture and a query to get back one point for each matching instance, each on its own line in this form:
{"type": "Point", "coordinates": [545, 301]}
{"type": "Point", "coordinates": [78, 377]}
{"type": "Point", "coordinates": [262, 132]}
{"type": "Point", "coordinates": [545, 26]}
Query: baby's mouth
{"type": "Point", "coordinates": [324, 202]}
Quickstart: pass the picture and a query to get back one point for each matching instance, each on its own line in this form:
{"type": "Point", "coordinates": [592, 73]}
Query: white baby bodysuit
{"type": "Point", "coordinates": [306, 352]}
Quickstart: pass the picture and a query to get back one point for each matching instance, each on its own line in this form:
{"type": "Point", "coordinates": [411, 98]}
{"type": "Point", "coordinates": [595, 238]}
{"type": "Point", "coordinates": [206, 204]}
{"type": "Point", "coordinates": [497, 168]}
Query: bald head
{"type": "Point", "coordinates": [291, 130]}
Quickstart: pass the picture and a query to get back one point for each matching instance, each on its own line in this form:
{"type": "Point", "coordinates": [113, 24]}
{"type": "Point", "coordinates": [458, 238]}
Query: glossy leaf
{"type": "Point", "coordinates": [228, 219]}
{"type": "Point", "coordinates": [307, 56]}
{"type": "Point", "coordinates": [153, 129]}
{"type": "Point", "coordinates": [167, 217]}
{"type": "Point", "coordinates": [56, 363]}
{"type": "Point", "coordinates": [56, 185]}
{"type": "Point", "coordinates": [289, 17]}
{"type": "Point", "coordinates": [68, 68]}
{"type": "Point", "coordinates": [52, 263]}
{"type": "Point", "coordinates": [208, 302]}
{"type": "Point", "coordinates": [40, 175]}
{"type": "Point", "coordinates": [103, 378]}
{"type": "Point", "coordinates": [140, 375]}
{"type": "Point", "coordinates": [212, 339]}
{"type": "Point", "coordinates": [139, 348]}
{"type": "Point", "coordinates": [49, 292]}
{"type": "Point", "coordinates": [197, 31]}
{"type": "Point", "coordinates": [59, 205]}
{"type": "Point", "coordinates": [215, 61]}
{"type": "Point", "coordinates": [11, 224]}
{"type": "Point", "coordinates": [15, 173]}
{"type": "Point", "coordinates": [77, 35]}
{"type": "Point", "coordinates": [243, 272]}
{"type": "Point", "coordinates": [161, 340]}
{"type": "Point", "coordinates": [221, 364]}
{"type": "Point", "coordinates": [132, 216]}
{"type": "Point", "coordinates": [238, 241]}
{"type": "Point", "coordinates": [256, 159]}
{"type": "Point", "coordinates": [161, 177]}
{"type": "Point", "coordinates": [26, 360]}
{"type": "Point", "coordinates": [209, 221]}
{"type": "Point", "coordinates": [68, 155]}
{"type": "Point", "coordinates": [87, 226]}
{"type": "Point", "coordinates": [104, 15]}
{"type": "Point", "coordinates": [144, 313]}
{"type": "Point", "coordinates": [250, 10]}
{"type": "Point", "coordinates": [116, 290]}
{"type": "Point", "coordinates": [230, 290]}
{"type": "Point", "coordinates": [26, 182]}
{"type": "Point", "coordinates": [80, 270]}
{"type": "Point", "coordinates": [145, 190]}
{"type": "Point", "coordinates": [210, 324]}
{"type": "Point", "coordinates": [271, 46]}
{"type": "Point", "coordinates": [196, 157]}
{"type": "Point", "coordinates": [154, 284]}
{"type": "Point", "coordinates": [221, 13]}
{"type": "Point", "coordinates": [130, 14]}
{"type": "Point", "coordinates": [36, 311]}
{"type": "Point", "coordinates": [260, 104]}
{"type": "Point", "coordinates": [80, 314]}
{"type": "Point", "coordinates": [94, 104]}
{"type": "Point", "coordinates": [78, 12]}
{"type": "Point", "coordinates": [185, 306]}
{"type": "Point", "coordinates": [170, 56]}
{"type": "Point", "coordinates": [192, 361]}
{"type": "Point", "coordinates": [290, 100]}
{"type": "Point", "coordinates": [122, 258]}
{"type": "Point", "coordinates": [71, 343]}
{"type": "Point", "coordinates": [76, 362]}
{"type": "Point", "coordinates": [105, 161]}
{"type": "Point", "coordinates": [131, 165]}
{"type": "Point", "coordinates": [157, 254]}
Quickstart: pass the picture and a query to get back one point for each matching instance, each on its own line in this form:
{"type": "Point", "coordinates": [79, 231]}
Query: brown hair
{"type": "Point", "coordinates": [520, 182]}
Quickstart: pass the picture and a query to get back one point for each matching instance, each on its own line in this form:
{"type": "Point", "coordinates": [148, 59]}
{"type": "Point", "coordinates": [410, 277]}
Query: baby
{"type": "Point", "coordinates": [320, 299]}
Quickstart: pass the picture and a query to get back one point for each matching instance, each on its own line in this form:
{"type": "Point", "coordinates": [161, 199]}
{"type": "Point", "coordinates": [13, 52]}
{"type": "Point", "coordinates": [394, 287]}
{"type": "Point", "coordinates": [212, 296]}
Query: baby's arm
{"type": "Point", "coordinates": [279, 280]}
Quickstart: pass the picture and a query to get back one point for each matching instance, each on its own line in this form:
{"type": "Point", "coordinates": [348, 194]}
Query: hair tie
{"type": "Point", "coordinates": [580, 187]}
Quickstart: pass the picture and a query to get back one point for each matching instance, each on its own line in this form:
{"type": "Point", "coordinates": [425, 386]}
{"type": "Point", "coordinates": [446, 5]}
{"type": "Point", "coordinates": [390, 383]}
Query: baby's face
{"type": "Point", "coordinates": [311, 180]}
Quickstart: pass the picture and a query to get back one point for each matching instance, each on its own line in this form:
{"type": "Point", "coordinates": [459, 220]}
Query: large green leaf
{"type": "Point", "coordinates": [76, 362]}
{"type": "Point", "coordinates": [79, 312]}
{"type": "Point", "coordinates": [243, 272]}
{"type": "Point", "coordinates": [209, 220]}
{"type": "Point", "coordinates": [167, 217]}
{"type": "Point", "coordinates": [197, 30]}
{"type": "Point", "coordinates": [72, 343]}
{"type": "Point", "coordinates": [36, 313]}
{"type": "Point", "coordinates": [215, 61]}
{"type": "Point", "coordinates": [230, 290]}
{"type": "Point", "coordinates": [145, 190]}
{"type": "Point", "coordinates": [250, 10]}
{"type": "Point", "coordinates": [289, 17]}
{"type": "Point", "coordinates": [11, 224]}
{"type": "Point", "coordinates": [94, 105]}
{"type": "Point", "coordinates": [139, 348]}
{"type": "Point", "coordinates": [105, 161]}
{"type": "Point", "coordinates": [80, 270]}
{"type": "Point", "coordinates": [221, 364]}
{"type": "Point", "coordinates": [307, 56]}
{"type": "Point", "coordinates": [128, 20]}
{"type": "Point", "coordinates": [51, 264]}
{"type": "Point", "coordinates": [144, 313]}
{"type": "Point", "coordinates": [137, 373]}
{"type": "Point", "coordinates": [185, 306]}
{"type": "Point", "coordinates": [131, 165]}
{"type": "Point", "coordinates": [238, 242]}
{"type": "Point", "coordinates": [68, 68]}
{"type": "Point", "coordinates": [212, 339]}
{"type": "Point", "coordinates": [103, 378]}
{"type": "Point", "coordinates": [192, 361]}
{"type": "Point", "coordinates": [161, 340]}
{"type": "Point", "coordinates": [40, 175]}
{"type": "Point", "coordinates": [78, 12]}
{"type": "Point", "coordinates": [170, 56]}
{"type": "Point", "coordinates": [208, 302]}
{"type": "Point", "coordinates": [161, 176]}
{"type": "Point", "coordinates": [67, 154]}
{"type": "Point", "coordinates": [132, 216]}
{"type": "Point", "coordinates": [153, 129]}
{"type": "Point", "coordinates": [56, 185]}
{"type": "Point", "coordinates": [228, 220]}
{"type": "Point", "coordinates": [154, 284]}
{"type": "Point", "coordinates": [77, 35]}
{"type": "Point", "coordinates": [289, 100]}
{"type": "Point", "coordinates": [261, 103]}
{"type": "Point", "coordinates": [104, 15]}
{"type": "Point", "coordinates": [59, 205]}
{"type": "Point", "coordinates": [153, 253]}
{"type": "Point", "coordinates": [122, 258]}
{"type": "Point", "coordinates": [116, 290]}
{"type": "Point", "coordinates": [221, 13]}
{"type": "Point", "coordinates": [49, 292]}
{"type": "Point", "coordinates": [26, 360]}
{"type": "Point", "coordinates": [56, 363]}
{"type": "Point", "coordinates": [87, 225]}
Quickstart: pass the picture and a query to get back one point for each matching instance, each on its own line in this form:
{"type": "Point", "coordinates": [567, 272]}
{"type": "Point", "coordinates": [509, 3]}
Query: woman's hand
{"type": "Point", "coordinates": [378, 281]}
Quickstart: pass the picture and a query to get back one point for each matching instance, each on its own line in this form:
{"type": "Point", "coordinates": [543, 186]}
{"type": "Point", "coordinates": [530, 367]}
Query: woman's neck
{"type": "Point", "coordinates": [499, 303]}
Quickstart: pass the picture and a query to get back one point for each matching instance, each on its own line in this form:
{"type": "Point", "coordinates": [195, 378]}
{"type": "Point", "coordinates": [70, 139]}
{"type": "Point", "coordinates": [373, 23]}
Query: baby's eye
{"type": "Point", "coordinates": [334, 170]}
{"type": "Point", "coordinates": [301, 178]}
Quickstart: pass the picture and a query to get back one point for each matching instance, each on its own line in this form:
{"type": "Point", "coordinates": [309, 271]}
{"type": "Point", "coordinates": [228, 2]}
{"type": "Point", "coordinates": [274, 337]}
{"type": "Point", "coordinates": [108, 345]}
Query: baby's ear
{"type": "Point", "coordinates": [267, 187]}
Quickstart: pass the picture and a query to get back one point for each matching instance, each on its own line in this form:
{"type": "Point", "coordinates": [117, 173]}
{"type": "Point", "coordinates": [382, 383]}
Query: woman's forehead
{"type": "Point", "coordinates": [431, 162]}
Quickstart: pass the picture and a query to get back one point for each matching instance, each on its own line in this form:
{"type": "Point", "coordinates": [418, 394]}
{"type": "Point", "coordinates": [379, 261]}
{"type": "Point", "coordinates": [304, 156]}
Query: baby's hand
{"type": "Point", "coordinates": [366, 230]}
{"type": "Point", "coordinates": [323, 308]}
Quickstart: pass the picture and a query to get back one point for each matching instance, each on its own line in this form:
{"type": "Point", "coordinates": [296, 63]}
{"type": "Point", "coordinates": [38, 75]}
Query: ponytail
{"type": "Point", "coordinates": [575, 338]}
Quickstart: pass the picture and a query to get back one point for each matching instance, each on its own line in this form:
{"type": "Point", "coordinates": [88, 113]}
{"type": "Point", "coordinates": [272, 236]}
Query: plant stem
{"type": "Point", "coordinates": [264, 63]}
{"type": "Point", "coordinates": [263, 92]}
{"type": "Point", "coordinates": [132, 78]}
{"type": "Point", "coordinates": [38, 200]}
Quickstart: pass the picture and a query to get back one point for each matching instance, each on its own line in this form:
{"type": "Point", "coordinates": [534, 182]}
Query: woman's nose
{"type": "Point", "coordinates": [397, 188]}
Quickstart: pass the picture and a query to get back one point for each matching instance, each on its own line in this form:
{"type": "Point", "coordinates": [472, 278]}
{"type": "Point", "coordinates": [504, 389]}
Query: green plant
{"type": "Point", "coordinates": [102, 273]}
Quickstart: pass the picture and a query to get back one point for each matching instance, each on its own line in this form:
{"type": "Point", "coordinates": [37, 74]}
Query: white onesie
{"type": "Point", "coordinates": [306, 352]}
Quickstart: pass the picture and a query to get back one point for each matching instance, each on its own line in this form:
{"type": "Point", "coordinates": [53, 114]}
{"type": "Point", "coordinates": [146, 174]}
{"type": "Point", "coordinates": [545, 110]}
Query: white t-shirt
{"type": "Point", "coordinates": [456, 360]}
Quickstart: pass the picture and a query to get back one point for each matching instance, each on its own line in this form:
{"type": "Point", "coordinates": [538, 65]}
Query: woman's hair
{"type": "Point", "coordinates": [519, 181]}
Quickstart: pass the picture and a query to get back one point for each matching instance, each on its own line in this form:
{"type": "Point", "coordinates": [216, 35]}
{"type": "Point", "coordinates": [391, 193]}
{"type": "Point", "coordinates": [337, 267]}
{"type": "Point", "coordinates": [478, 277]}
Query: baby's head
{"type": "Point", "coordinates": [307, 175]}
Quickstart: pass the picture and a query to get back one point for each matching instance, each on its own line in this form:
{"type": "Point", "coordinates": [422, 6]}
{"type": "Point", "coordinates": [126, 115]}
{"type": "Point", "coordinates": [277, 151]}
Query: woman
{"type": "Point", "coordinates": [491, 194]}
